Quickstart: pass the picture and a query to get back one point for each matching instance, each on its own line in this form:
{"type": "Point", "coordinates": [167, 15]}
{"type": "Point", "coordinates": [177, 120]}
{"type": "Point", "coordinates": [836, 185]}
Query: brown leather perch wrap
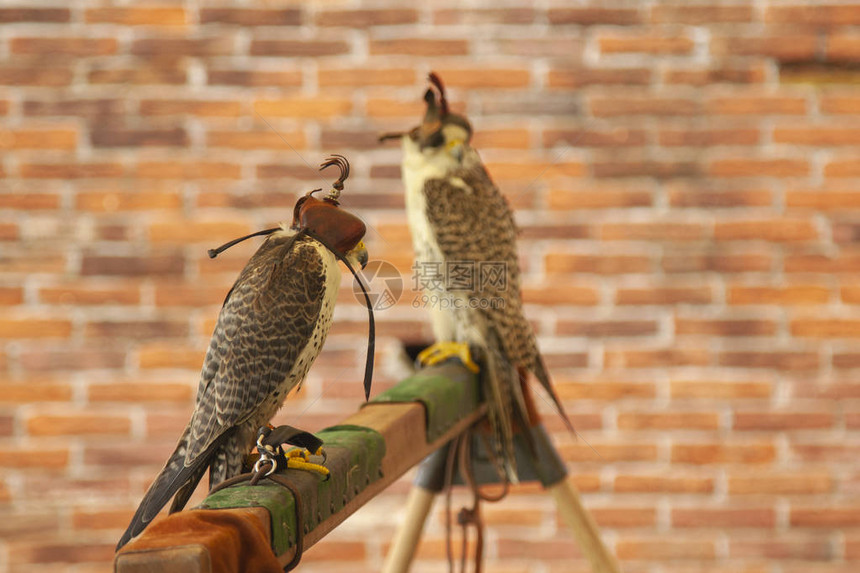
{"type": "Point", "coordinates": [217, 542]}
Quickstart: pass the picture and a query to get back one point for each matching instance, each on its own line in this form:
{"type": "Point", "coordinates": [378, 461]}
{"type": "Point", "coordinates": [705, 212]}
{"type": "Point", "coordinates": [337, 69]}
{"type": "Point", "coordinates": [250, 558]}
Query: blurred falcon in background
{"type": "Point", "coordinates": [270, 330]}
{"type": "Point", "coordinates": [464, 238]}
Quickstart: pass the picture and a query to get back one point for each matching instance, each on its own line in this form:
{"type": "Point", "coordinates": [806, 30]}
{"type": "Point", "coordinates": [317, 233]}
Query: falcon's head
{"type": "Point", "coordinates": [341, 230]}
{"type": "Point", "coordinates": [440, 132]}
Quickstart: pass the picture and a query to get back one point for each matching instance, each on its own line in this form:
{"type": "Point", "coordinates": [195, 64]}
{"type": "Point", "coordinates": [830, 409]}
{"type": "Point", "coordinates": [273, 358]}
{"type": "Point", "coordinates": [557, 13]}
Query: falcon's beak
{"type": "Point", "coordinates": [358, 254]}
{"type": "Point", "coordinates": [455, 148]}
{"type": "Point", "coordinates": [391, 135]}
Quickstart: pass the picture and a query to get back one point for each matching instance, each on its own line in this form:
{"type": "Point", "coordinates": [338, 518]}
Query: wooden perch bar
{"type": "Point", "coordinates": [366, 453]}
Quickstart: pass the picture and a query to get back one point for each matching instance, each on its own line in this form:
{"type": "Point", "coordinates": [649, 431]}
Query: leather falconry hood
{"type": "Point", "coordinates": [339, 229]}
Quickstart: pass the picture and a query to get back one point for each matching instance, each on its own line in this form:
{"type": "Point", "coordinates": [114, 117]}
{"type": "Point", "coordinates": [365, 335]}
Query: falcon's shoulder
{"type": "Point", "coordinates": [472, 221]}
{"type": "Point", "coordinates": [469, 215]}
{"type": "Point", "coordinates": [266, 321]}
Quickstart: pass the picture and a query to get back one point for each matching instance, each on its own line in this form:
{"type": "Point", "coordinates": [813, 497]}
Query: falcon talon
{"type": "Point", "coordinates": [318, 456]}
{"type": "Point", "coordinates": [307, 466]}
{"type": "Point", "coordinates": [297, 453]}
{"type": "Point", "coordinates": [303, 459]}
{"type": "Point", "coordinates": [441, 351]}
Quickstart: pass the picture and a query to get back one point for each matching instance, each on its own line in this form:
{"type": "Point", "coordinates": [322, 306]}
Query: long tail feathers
{"type": "Point", "coordinates": [502, 381]}
{"type": "Point", "coordinates": [175, 478]}
{"type": "Point", "coordinates": [539, 370]}
{"type": "Point", "coordinates": [221, 465]}
{"type": "Point", "coordinates": [509, 407]}
{"type": "Point", "coordinates": [183, 494]}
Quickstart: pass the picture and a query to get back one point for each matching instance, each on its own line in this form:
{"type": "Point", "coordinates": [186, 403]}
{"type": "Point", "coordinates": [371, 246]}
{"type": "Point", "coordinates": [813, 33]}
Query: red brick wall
{"type": "Point", "coordinates": [685, 177]}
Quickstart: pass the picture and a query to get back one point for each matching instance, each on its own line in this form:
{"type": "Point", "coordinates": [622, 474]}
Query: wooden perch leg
{"type": "Point", "coordinates": [582, 526]}
{"type": "Point", "coordinates": [542, 465]}
{"type": "Point", "coordinates": [406, 541]}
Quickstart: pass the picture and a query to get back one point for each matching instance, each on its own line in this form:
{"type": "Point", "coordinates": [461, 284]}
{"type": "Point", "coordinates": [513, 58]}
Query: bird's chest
{"type": "Point", "coordinates": [312, 348]}
{"type": "Point", "coordinates": [323, 323]}
{"type": "Point", "coordinates": [416, 172]}
{"type": "Point", "coordinates": [450, 310]}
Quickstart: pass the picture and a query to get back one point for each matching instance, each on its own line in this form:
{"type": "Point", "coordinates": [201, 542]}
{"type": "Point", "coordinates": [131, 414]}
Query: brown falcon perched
{"type": "Point", "coordinates": [270, 330]}
{"type": "Point", "coordinates": [463, 232]}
